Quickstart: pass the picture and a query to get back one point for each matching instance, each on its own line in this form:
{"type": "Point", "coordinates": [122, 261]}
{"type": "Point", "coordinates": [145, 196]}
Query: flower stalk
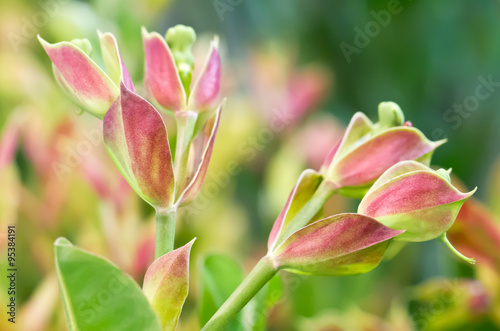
{"type": "Point", "coordinates": [251, 285]}
{"type": "Point", "coordinates": [165, 231]}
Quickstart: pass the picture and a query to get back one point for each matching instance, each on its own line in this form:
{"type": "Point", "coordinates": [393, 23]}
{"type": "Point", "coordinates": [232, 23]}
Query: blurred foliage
{"type": "Point", "coordinates": [428, 58]}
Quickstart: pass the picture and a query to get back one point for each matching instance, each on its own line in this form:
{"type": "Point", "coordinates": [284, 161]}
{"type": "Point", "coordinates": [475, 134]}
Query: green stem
{"type": "Point", "coordinates": [165, 232]}
{"type": "Point", "coordinates": [186, 122]}
{"type": "Point", "coordinates": [444, 239]}
{"type": "Point", "coordinates": [251, 285]}
{"type": "Point", "coordinates": [324, 192]}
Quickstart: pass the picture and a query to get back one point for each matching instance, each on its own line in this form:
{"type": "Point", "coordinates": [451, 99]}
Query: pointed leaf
{"type": "Point", "coordinates": [421, 202]}
{"type": "Point", "coordinates": [136, 138]}
{"type": "Point", "coordinates": [166, 285]}
{"type": "Point", "coordinates": [97, 295]}
{"type": "Point", "coordinates": [338, 245]}
{"type": "Point", "coordinates": [220, 276]}
{"type": "Point", "coordinates": [161, 77]}
{"type": "Point", "coordinates": [206, 89]}
{"type": "Point", "coordinates": [206, 139]}
{"type": "Point", "coordinates": [302, 192]}
{"type": "Point", "coordinates": [357, 132]}
{"type": "Point", "coordinates": [365, 163]}
{"type": "Point", "coordinates": [81, 77]}
{"type": "Point", "coordinates": [398, 169]}
{"type": "Point", "coordinates": [113, 60]}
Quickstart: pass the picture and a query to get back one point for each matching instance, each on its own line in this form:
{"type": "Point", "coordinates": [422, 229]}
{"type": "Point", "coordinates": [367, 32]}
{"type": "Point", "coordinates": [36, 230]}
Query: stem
{"type": "Point", "coordinates": [251, 285]}
{"type": "Point", "coordinates": [444, 239]}
{"type": "Point", "coordinates": [324, 192]}
{"type": "Point", "coordinates": [165, 231]}
{"type": "Point", "coordinates": [186, 121]}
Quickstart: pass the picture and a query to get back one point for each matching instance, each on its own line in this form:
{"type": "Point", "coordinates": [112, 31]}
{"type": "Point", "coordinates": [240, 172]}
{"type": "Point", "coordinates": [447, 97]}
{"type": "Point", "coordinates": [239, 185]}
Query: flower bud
{"type": "Point", "coordinates": [82, 79]}
{"type": "Point", "coordinates": [389, 116]}
{"type": "Point", "coordinates": [169, 68]}
{"type": "Point", "coordinates": [180, 38]}
{"type": "Point", "coordinates": [412, 197]}
{"type": "Point", "coordinates": [366, 150]}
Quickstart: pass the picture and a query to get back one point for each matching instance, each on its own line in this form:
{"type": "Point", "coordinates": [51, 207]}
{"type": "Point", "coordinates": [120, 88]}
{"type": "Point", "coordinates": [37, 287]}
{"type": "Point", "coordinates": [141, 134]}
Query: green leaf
{"type": "Point", "coordinates": [166, 285]}
{"type": "Point", "coordinates": [97, 295]}
{"type": "Point", "coordinates": [220, 276]}
{"type": "Point", "coordinates": [256, 312]}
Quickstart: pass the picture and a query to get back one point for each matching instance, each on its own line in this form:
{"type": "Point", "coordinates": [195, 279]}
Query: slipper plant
{"type": "Point", "coordinates": [385, 164]}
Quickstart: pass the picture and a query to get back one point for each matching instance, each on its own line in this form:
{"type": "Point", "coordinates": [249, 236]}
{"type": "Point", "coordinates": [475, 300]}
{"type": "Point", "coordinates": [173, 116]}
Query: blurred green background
{"type": "Point", "coordinates": [430, 58]}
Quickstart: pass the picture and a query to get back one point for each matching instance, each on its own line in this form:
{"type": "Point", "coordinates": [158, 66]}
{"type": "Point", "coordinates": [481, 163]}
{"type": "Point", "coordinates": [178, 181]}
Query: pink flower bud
{"type": "Point", "coordinates": [366, 150]}
{"type": "Point", "coordinates": [412, 197]}
{"type": "Point", "coordinates": [165, 84]}
{"type": "Point", "coordinates": [82, 79]}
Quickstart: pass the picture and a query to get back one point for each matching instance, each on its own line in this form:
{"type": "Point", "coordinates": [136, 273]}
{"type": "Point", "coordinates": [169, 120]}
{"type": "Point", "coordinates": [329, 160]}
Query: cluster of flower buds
{"type": "Point", "coordinates": [134, 131]}
{"type": "Point", "coordinates": [337, 245]}
{"type": "Point", "coordinates": [401, 199]}
{"type": "Point", "coordinates": [136, 136]}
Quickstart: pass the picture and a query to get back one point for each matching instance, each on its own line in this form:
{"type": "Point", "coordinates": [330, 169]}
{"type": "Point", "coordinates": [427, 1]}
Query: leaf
{"type": "Point", "coordinates": [302, 192]}
{"type": "Point", "coordinates": [356, 133]}
{"type": "Point", "coordinates": [97, 295]}
{"type": "Point", "coordinates": [161, 77]}
{"type": "Point", "coordinates": [202, 146]}
{"type": "Point", "coordinates": [117, 70]}
{"type": "Point", "coordinates": [220, 276]}
{"type": "Point", "coordinates": [206, 89]}
{"type": "Point", "coordinates": [136, 138]}
{"type": "Point", "coordinates": [365, 163]}
{"type": "Point", "coordinates": [166, 285]}
{"type": "Point", "coordinates": [343, 244]}
{"type": "Point", "coordinates": [81, 78]}
{"type": "Point", "coordinates": [414, 198]}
